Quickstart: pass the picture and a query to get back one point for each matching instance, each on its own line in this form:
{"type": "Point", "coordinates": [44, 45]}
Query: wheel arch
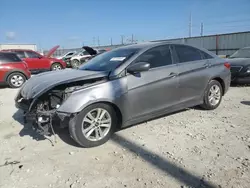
{"type": "Point", "coordinates": [14, 71]}
{"type": "Point", "coordinates": [114, 106]}
{"type": "Point", "coordinates": [222, 83]}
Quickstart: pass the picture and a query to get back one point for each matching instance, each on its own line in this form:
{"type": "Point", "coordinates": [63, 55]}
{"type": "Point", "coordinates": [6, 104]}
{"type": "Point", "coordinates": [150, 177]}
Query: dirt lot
{"type": "Point", "coordinates": [192, 148]}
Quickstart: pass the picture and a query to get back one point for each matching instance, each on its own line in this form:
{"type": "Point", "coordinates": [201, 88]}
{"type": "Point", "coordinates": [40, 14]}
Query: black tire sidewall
{"type": "Point", "coordinates": [13, 74]}
{"type": "Point", "coordinates": [77, 130]}
{"type": "Point", "coordinates": [74, 62]}
{"type": "Point", "coordinates": [207, 104]}
{"type": "Point", "coordinates": [54, 64]}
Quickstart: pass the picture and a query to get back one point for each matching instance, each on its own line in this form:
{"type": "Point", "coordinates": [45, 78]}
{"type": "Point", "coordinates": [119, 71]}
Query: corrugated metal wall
{"type": "Point", "coordinates": [222, 44]}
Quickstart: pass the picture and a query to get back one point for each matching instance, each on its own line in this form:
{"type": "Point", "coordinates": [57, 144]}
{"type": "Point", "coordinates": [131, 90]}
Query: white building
{"type": "Point", "coordinates": [18, 46]}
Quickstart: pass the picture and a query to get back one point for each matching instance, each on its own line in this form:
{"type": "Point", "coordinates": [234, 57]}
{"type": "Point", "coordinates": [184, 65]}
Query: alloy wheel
{"type": "Point", "coordinates": [57, 67]}
{"type": "Point", "coordinates": [96, 124]}
{"type": "Point", "coordinates": [214, 95]}
{"type": "Point", "coordinates": [17, 80]}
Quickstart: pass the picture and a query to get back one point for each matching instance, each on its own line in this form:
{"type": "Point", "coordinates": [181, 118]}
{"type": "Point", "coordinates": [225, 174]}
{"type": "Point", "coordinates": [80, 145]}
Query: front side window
{"type": "Point", "coordinates": [205, 55]}
{"type": "Point", "coordinates": [157, 56]}
{"type": "Point", "coordinates": [110, 60]}
{"type": "Point", "coordinates": [187, 53]}
{"type": "Point", "coordinates": [85, 53]}
{"type": "Point", "coordinates": [32, 54]}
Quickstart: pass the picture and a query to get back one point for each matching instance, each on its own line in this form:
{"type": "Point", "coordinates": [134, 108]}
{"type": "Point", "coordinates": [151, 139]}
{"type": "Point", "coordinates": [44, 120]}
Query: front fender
{"type": "Point", "coordinates": [113, 92]}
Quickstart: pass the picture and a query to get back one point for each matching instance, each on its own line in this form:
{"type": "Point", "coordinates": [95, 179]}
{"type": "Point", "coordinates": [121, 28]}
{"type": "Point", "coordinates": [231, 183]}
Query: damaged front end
{"type": "Point", "coordinates": [42, 111]}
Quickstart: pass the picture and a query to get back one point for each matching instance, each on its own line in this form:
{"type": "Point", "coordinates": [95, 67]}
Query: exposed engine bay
{"type": "Point", "coordinates": [42, 111]}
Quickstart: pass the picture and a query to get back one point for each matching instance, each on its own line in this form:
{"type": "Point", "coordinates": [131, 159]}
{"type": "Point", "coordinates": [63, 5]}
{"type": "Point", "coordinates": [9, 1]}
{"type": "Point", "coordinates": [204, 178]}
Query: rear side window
{"type": "Point", "coordinates": [20, 54]}
{"type": "Point", "coordinates": [157, 56]}
{"type": "Point", "coordinates": [187, 53]}
{"type": "Point", "coordinates": [9, 58]}
{"type": "Point", "coordinates": [206, 55]}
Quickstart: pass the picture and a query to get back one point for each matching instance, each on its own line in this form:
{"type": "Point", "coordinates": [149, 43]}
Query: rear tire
{"type": "Point", "coordinates": [16, 80]}
{"type": "Point", "coordinates": [212, 95]}
{"type": "Point", "coordinates": [56, 66]}
{"type": "Point", "coordinates": [90, 129]}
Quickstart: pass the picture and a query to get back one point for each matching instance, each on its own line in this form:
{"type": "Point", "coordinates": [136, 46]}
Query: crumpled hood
{"type": "Point", "coordinates": [39, 84]}
{"type": "Point", "coordinates": [238, 61]}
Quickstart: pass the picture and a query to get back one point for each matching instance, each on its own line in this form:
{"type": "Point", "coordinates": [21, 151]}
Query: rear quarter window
{"type": "Point", "coordinates": [9, 58]}
{"type": "Point", "coordinates": [206, 55]}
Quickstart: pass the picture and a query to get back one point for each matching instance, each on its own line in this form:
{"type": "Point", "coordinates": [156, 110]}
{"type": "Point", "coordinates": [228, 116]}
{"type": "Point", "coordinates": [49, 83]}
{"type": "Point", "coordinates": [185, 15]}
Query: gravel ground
{"type": "Point", "coordinates": [191, 148]}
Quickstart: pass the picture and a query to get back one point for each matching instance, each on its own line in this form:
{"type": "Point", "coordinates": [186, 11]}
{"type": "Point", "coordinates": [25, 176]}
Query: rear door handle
{"type": "Point", "coordinates": [172, 75]}
{"type": "Point", "coordinates": [207, 65]}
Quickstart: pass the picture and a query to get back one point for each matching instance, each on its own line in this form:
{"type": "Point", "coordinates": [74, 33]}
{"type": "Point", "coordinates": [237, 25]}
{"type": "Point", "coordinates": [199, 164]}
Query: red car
{"type": "Point", "coordinates": [13, 71]}
{"type": "Point", "coordinates": [39, 63]}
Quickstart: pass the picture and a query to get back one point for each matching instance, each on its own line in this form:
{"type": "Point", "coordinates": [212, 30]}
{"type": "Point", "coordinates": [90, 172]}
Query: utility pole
{"type": "Point", "coordinates": [132, 39]}
{"type": "Point", "coordinates": [122, 39]}
{"type": "Point", "coordinates": [98, 41]}
{"type": "Point", "coordinates": [201, 28]}
{"type": "Point", "coordinates": [93, 41]}
{"type": "Point", "coordinates": [111, 41]}
{"type": "Point", "coordinates": [190, 24]}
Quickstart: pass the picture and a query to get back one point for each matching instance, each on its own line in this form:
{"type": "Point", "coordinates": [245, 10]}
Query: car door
{"type": "Point", "coordinates": [194, 72]}
{"type": "Point", "coordinates": [155, 89]}
{"type": "Point", "coordinates": [36, 62]}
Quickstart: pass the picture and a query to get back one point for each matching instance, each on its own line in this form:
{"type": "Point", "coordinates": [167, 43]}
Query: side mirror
{"type": "Point", "coordinates": [138, 67]}
{"type": "Point", "coordinates": [40, 57]}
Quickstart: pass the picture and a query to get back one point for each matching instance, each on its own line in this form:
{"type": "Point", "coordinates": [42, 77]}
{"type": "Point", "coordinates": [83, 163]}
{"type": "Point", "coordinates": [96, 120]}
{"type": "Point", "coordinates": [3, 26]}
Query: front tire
{"type": "Point", "coordinates": [212, 95]}
{"type": "Point", "coordinates": [94, 125]}
{"type": "Point", "coordinates": [16, 80]}
{"type": "Point", "coordinates": [75, 64]}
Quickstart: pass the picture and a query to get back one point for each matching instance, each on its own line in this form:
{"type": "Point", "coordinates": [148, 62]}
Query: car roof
{"type": "Point", "coordinates": [7, 52]}
{"type": "Point", "coordinates": [142, 45]}
{"type": "Point", "coordinates": [151, 44]}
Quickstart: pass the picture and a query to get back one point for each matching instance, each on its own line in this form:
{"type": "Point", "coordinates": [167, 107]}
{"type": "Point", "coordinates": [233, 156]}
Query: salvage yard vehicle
{"type": "Point", "coordinates": [85, 55]}
{"type": "Point", "coordinates": [38, 63]}
{"type": "Point", "coordinates": [123, 87]}
{"type": "Point", "coordinates": [240, 66]}
{"type": "Point", "coordinates": [13, 71]}
{"type": "Point", "coordinates": [66, 57]}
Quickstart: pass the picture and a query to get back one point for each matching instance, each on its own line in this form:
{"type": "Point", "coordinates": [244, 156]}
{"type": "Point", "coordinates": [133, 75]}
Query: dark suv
{"type": "Point", "coordinates": [13, 71]}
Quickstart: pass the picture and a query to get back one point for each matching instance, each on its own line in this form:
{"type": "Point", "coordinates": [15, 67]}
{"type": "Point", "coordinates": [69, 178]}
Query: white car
{"type": "Point", "coordinates": [83, 55]}
{"type": "Point", "coordinates": [67, 55]}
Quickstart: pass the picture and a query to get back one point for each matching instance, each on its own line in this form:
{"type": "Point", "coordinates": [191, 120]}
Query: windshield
{"type": "Point", "coordinates": [109, 61]}
{"type": "Point", "coordinates": [242, 53]}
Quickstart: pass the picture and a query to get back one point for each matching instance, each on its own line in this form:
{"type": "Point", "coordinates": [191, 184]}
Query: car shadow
{"type": "Point", "coordinates": [28, 130]}
{"type": "Point", "coordinates": [64, 134]}
{"type": "Point", "coordinates": [239, 85]}
{"type": "Point", "coordinates": [245, 102]}
{"type": "Point", "coordinates": [162, 164]}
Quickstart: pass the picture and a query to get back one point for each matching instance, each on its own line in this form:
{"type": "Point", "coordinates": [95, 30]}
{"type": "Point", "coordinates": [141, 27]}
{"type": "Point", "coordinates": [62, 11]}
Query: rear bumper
{"type": "Point", "coordinates": [241, 80]}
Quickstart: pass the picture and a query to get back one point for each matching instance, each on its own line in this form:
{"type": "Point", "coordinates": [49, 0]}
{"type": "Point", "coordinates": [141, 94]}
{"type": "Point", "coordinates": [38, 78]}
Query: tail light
{"type": "Point", "coordinates": [227, 65]}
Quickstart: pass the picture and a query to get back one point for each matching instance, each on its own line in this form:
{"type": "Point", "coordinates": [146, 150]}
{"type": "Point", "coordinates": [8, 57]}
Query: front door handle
{"type": "Point", "coordinates": [172, 75]}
